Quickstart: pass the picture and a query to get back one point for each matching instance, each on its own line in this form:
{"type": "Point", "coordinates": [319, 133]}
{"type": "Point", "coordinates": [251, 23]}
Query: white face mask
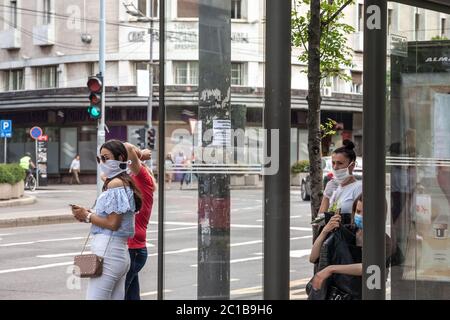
{"type": "Point", "coordinates": [341, 174]}
{"type": "Point", "coordinates": [112, 168]}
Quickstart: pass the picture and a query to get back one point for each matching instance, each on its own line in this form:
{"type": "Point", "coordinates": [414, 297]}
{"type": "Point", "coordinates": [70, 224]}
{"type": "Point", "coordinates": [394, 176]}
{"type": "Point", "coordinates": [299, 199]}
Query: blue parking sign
{"type": "Point", "coordinates": [5, 128]}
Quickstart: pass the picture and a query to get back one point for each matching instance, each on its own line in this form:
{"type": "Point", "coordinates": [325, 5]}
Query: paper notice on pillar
{"type": "Point", "coordinates": [441, 129]}
{"type": "Point", "coordinates": [222, 133]}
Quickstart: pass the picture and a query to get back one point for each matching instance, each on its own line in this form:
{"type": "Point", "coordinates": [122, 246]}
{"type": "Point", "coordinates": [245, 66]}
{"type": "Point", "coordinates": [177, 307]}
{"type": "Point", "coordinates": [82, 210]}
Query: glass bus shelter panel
{"type": "Point", "coordinates": [214, 141]}
{"type": "Point", "coordinates": [418, 156]}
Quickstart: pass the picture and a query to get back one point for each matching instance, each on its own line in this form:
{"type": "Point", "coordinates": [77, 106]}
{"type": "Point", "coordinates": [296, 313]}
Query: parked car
{"type": "Point", "coordinates": [305, 188]}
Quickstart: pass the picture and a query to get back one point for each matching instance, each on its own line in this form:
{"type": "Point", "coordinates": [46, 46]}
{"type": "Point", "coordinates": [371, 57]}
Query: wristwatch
{"type": "Point", "coordinates": [88, 218]}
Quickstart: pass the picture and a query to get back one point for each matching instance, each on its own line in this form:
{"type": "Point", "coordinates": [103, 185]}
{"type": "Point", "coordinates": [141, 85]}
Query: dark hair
{"type": "Point", "coordinates": [118, 149]}
{"type": "Point", "coordinates": [347, 149]}
{"type": "Point", "coordinates": [360, 199]}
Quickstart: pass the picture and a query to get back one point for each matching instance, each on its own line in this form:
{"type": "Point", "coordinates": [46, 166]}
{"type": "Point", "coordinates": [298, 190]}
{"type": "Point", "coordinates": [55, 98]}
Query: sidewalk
{"type": "Point", "coordinates": [50, 205]}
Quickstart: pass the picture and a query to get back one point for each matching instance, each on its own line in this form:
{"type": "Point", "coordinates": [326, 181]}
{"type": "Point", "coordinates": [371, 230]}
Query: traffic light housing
{"type": "Point", "coordinates": [151, 138]}
{"type": "Point", "coordinates": [140, 137]}
{"type": "Point", "coordinates": [95, 86]}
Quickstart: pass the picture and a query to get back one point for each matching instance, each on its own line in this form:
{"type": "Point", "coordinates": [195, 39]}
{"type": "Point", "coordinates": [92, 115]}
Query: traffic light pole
{"type": "Point", "coordinates": [101, 125]}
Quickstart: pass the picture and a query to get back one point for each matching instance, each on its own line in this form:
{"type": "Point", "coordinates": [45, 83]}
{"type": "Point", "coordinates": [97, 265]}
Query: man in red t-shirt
{"type": "Point", "coordinates": [137, 246]}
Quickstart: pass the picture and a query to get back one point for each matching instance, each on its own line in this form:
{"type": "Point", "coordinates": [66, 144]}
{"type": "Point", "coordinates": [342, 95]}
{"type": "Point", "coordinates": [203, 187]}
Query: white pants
{"type": "Point", "coordinates": [111, 284]}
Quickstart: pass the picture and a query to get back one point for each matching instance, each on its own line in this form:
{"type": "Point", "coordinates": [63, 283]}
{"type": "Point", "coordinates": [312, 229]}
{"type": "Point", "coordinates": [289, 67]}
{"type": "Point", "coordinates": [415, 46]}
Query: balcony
{"type": "Point", "coordinates": [10, 39]}
{"type": "Point", "coordinates": [44, 35]}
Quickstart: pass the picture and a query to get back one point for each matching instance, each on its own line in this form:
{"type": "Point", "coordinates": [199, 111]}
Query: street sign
{"type": "Point", "coordinates": [5, 128]}
{"type": "Point", "coordinates": [35, 132]}
{"type": "Point", "coordinates": [44, 137]}
{"type": "Point", "coordinates": [42, 146]}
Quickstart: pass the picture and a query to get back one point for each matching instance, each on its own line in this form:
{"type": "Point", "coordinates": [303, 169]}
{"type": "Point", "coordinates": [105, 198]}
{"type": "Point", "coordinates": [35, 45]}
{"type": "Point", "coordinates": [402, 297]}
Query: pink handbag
{"type": "Point", "coordinates": [89, 265]}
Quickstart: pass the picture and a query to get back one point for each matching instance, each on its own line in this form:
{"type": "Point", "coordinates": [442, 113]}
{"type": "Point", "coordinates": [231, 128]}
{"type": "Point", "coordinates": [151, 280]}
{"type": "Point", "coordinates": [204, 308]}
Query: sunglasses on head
{"type": "Point", "coordinates": [101, 158]}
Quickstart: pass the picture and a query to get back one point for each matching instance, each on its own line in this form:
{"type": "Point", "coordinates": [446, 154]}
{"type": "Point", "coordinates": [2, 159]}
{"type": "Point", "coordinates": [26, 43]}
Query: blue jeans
{"type": "Point", "coordinates": [138, 258]}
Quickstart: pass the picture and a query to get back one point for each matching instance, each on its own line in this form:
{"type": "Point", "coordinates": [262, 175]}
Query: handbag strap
{"type": "Point", "coordinates": [87, 239]}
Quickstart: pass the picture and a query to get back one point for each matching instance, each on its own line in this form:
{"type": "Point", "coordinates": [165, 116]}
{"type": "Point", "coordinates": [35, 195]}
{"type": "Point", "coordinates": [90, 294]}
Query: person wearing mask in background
{"type": "Point", "coordinates": [137, 246]}
{"type": "Point", "coordinates": [112, 222]}
{"type": "Point", "coordinates": [75, 169]}
{"type": "Point", "coordinates": [340, 192]}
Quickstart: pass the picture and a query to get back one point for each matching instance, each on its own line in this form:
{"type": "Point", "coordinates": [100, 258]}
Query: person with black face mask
{"type": "Point", "coordinates": [112, 222]}
{"type": "Point", "coordinates": [339, 194]}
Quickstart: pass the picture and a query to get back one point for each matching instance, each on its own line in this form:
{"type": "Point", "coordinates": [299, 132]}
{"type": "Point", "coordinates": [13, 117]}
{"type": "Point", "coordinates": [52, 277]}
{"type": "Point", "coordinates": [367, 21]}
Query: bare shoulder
{"type": "Point", "coordinates": [115, 183]}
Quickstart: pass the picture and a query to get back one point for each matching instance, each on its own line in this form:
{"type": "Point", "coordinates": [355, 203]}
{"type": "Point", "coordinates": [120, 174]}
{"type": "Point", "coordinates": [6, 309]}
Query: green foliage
{"type": "Point", "coordinates": [300, 166]}
{"type": "Point", "coordinates": [439, 38]}
{"type": "Point", "coordinates": [328, 128]}
{"type": "Point", "coordinates": [334, 207]}
{"type": "Point", "coordinates": [11, 173]}
{"type": "Point", "coordinates": [334, 52]}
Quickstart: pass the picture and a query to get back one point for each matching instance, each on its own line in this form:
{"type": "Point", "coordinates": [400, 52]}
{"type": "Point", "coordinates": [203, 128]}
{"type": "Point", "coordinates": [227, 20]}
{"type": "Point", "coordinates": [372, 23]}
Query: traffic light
{"type": "Point", "coordinates": [140, 135]}
{"type": "Point", "coordinates": [95, 85]}
{"type": "Point", "coordinates": [151, 138]}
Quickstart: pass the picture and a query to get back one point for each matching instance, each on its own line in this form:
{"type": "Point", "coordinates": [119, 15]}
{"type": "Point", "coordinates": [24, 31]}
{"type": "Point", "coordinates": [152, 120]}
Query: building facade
{"type": "Point", "coordinates": [49, 48]}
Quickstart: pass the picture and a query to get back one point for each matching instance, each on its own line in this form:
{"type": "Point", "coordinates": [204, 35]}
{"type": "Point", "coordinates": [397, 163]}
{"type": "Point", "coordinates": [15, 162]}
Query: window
{"type": "Point", "coordinates": [149, 11]}
{"type": "Point", "coordinates": [154, 8]}
{"type": "Point", "coordinates": [187, 8]}
{"type": "Point", "coordinates": [13, 17]}
{"type": "Point", "coordinates": [238, 74]}
{"type": "Point", "coordinates": [443, 27]}
{"type": "Point", "coordinates": [144, 66]}
{"type": "Point", "coordinates": [156, 73]}
{"type": "Point", "coordinates": [47, 14]}
{"type": "Point", "coordinates": [186, 72]}
{"type": "Point", "coordinates": [142, 6]}
{"type": "Point", "coordinates": [357, 81]}
{"type": "Point", "coordinates": [335, 86]}
{"type": "Point", "coordinates": [69, 147]}
{"type": "Point", "coordinates": [14, 80]}
{"type": "Point", "coordinates": [236, 9]}
{"type": "Point", "coordinates": [47, 77]}
{"type": "Point", "coordinates": [389, 26]}
{"type": "Point", "coordinates": [360, 17]}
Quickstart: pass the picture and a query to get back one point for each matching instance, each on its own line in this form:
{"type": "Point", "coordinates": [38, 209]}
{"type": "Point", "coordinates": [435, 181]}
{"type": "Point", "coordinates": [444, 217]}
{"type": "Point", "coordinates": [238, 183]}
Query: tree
{"type": "Point", "coordinates": [323, 39]}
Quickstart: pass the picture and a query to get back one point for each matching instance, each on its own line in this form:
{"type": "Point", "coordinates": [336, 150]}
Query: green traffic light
{"type": "Point", "coordinates": [94, 112]}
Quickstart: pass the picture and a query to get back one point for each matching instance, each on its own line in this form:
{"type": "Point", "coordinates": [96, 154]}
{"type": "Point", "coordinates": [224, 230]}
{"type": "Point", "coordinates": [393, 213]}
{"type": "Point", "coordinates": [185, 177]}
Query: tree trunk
{"type": "Point", "coordinates": [314, 101]}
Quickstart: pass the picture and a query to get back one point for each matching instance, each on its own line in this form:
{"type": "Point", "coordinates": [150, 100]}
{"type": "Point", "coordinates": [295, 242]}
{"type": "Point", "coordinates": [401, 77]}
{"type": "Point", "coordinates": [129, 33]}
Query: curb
{"type": "Point", "coordinates": [35, 221]}
{"type": "Point", "coordinates": [25, 200]}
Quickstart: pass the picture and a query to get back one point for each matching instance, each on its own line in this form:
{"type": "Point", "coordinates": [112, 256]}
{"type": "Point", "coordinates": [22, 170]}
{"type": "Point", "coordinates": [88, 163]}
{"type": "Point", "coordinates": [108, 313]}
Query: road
{"type": "Point", "coordinates": [35, 262]}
